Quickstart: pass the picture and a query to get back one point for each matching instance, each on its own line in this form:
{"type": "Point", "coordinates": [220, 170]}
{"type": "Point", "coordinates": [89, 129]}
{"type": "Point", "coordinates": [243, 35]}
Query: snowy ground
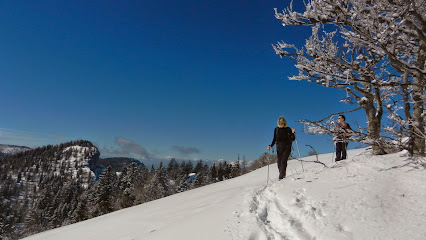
{"type": "Point", "coordinates": [364, 197]}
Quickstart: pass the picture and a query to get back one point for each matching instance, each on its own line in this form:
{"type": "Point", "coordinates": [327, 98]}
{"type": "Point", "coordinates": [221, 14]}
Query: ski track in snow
{"type": "Point", "coordinates": [273, 219]}
{"type": "Point", "coordinates": [269, 215]}
{"type": "Point", "coordinates": [276, 221]}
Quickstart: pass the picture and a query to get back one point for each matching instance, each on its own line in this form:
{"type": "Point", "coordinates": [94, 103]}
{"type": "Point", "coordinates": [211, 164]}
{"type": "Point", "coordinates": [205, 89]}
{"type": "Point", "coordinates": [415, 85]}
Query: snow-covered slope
{"type": "Point", "coordinates": [364, 197]}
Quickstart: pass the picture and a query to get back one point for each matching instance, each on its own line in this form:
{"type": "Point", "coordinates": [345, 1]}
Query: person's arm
{"type": "Point", "coordinates": [273, 140]}
{"type": "Point", "coordinates": [292, 135]}
{"type": "Point", "coordinates": [349, 131]}
{"type": "Point", "coordinates": [275, 137]}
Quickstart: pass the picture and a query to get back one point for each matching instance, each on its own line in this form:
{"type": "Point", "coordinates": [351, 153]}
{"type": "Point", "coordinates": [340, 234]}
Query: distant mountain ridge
{"type": "Point", "coordinates": [7, 150]}
{"type": "Point", "coordinates": [95, 164]}
{"type": "Point", "coordinates": [63, 159]}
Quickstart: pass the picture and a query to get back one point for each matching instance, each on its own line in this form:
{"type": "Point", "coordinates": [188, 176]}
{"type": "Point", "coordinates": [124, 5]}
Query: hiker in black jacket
{"type": "Point", "coordinates": [342, 132]}
{"type": "Point", "coordinates": [283, 136]}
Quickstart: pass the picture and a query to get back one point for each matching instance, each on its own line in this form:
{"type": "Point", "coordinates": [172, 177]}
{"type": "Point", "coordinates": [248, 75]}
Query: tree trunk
{"type": "Point", "coordinates": [374, 119]}
{"type": "Point", "coordinates": [418, 108]}
{"type": "Point", "coordinates": [407, 110]}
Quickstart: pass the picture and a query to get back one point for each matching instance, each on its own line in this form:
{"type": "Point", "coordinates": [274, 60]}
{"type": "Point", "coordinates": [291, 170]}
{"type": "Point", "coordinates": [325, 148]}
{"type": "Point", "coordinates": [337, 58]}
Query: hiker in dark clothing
{"type": "Point", "coordinates": [283, 136]}
{"type": "Point", "coordinates": [342, 132]}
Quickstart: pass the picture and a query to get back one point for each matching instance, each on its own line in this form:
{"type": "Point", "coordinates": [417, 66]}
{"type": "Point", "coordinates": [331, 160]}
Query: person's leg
{"type": "Point", "coordinates": [285, 156]}
{"type": "Point", "coordinates": [279, 155]}
{"type": "Point", "coordinates": [345, 146]}
{"type": "Point", "coordinates": [280, 152]}
{"type": "Point", "coordinates": [339, 151]}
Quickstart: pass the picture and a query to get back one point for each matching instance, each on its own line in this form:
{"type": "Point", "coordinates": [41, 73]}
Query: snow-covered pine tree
{"type": "Point", "coordinates": [105, 192]}
{"type": "Point", "coordinates": [221, 172]}
{"type": "Point", "coordinates": [198, 167]}
{"type": "Point", "coordinates": [140, 174]}
{"type": "Point", "coordinates": [199, 180]}
{"type": "Point", "coordinates": [154, 189]}
{"type": "Point", "coordinates": [213, 172]}
{"type": "Point", "coordinates": [172, 169]}
{"type": "Point", "coordinates": [182, 183]}
{"type": "Point", "coordinates": [5, 224]}
{"type": "Point", "coordinates": [81, 211]}
{"type": "Point", "coordinates": [186, 167]}
{"type": "Point", "coordinates": [235, 169]}
{"type": "Point", "coordinates": [126, 197]}
{"type": "Point", "coordinates": [161, 173]}
{"type": "Point", "coordinates": [207, 175]}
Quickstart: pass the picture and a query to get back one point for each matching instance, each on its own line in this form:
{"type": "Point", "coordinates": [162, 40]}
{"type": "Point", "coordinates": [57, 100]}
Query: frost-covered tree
{"type": "Point", "coordinates": [105, 192]}
{"type": "Point", "coordinates": [186, 167]}
{"type": "Point", "coordinates": [172, 169]}
{"type": "Point", "coordinates": [182, 184]}
{"type": "Point", "coordinates": [221, 171]}
{"type": "Point", "coordinates": [5, 224]}
{"type": "Point", "coordinates": [207, 175]}
{"type": "Point", "coordinates": [126, 187]}
{"type": "Point", "coordinates": [203, 176]}
{"type": "Point", "coordinates": [199, 180]}
{"type": "Point", "coordinates": [264, 160]}
{"type": "Point", "coordinates": [154, 189]}
{"type": "Point", "coordinates": [81, 211]}
{"type": "Point", "coordinates": [235, 169]}
{"type": "Point", "coordinates": [226, 171]}
{"type": "Point", "coordinates": [213, 172]}
{"type": "Point", "coordinates": [161, 174]}
{"type": "Point", "coordinates": [379, 61]}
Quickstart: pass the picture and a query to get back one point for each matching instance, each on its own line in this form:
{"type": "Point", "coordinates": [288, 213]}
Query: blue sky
{"type": "Point", "coordinates": [187, 79]}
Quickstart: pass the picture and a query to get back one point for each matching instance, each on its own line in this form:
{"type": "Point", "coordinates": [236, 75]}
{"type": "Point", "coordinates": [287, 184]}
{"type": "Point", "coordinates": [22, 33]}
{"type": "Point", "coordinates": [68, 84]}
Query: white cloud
{"type": "Point", "coordinates": [127, 148]}
{"type": "Point", "coordinates": [123, 140]}
{"type": "Point", "coordinates": [185, 150]}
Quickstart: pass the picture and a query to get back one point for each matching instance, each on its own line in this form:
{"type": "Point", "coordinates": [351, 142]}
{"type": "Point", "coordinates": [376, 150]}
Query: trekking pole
{"type": "Point", "coordinates": [300, 159]}
{"type": "Point", "coordinates": [269, 157]}
{"type": "Point", "coordinates": [332, 155]}
{"type": "Point", "coordinates": [267, 179]}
